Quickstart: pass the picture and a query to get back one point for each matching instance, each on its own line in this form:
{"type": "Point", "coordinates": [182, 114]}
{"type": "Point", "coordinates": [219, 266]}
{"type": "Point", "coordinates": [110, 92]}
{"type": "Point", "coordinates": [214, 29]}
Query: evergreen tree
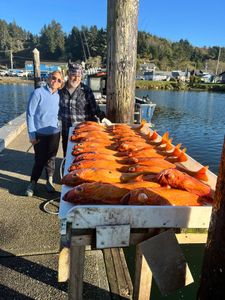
{"type": "Point", "coordinates": [73, 45]}
{"type": "Point", "coordinates": [52, 41]}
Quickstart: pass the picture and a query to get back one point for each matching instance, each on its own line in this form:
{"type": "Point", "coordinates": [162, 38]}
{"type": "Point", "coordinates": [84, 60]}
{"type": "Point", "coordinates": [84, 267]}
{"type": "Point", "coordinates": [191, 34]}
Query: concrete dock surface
{"type": "Point", "coordinates": [30, 237]}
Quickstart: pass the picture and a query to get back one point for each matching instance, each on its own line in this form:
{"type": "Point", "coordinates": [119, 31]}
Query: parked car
{"type": "Point", "coordinates": [11, 72]}
{"type": "Point", "coordinates": [3, 73]}
{"type": "Point", "coordinates": [21, 73]}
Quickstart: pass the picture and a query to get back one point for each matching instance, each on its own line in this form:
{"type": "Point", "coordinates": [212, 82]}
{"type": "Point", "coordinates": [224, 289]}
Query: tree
{"type": "Point", "coordinates": [5, 38]}
{"type": "Point", "coordinates": [18, 37]}
{"type": "Point", "coordinates": [52, 41]}
{"type": "Point", "coordinates": [74, 46]}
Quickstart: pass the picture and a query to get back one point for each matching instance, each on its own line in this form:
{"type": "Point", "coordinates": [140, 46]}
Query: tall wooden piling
{"type": "Point", "coordinates": [36, 64]}
{"type": "Point", "coordinates": [212, 285]}
{"type": "Point", "coordinates": [121, 59]}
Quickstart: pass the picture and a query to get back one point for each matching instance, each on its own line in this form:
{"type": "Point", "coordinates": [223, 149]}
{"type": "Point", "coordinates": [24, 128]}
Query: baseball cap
{"type": "Point", "coordinates": [75, 69]}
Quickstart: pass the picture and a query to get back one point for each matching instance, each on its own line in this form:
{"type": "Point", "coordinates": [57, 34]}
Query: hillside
{"type": "Point", "coordinates": [89, 44]}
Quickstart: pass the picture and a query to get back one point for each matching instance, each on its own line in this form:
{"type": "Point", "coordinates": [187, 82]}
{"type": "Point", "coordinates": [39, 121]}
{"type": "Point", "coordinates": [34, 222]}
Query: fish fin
{"type": "Point", "coordinates": [201, 174]}
{"type": "Point", "coordinates": [176, 150]}
{"type": "Point", "coordinates": [165, 137]}
{"type": "Point", "coordinates": [143, 122]}
{"type": "Point", "coordinates": [182, 157]}
{"type": "Point", "coordinates": [169, 145]}
{"type": "Point", "coordinates": [154, 135]}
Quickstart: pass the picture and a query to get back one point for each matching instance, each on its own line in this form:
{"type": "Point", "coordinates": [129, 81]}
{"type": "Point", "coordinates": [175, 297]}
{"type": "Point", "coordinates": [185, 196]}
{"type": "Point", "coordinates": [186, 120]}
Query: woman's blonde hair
{"type": "Point", "coordinates": [57, 72]}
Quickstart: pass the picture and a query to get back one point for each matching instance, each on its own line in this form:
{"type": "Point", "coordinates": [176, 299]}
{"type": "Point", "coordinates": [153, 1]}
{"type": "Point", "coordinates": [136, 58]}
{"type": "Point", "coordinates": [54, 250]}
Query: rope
{"type": "Point", "coordinates": [45, 207]}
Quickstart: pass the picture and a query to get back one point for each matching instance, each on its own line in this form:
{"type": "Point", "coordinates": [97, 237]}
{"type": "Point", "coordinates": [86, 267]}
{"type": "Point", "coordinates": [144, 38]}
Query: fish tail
{"type": "Point", "coordinates": [143, 122]}
{"type": "Point", "coordinates": [165, 137]}
{"type": "Point", "coordinates": [176, 151]}
{"type": "Point", "coordinates": [169, 145]}
{"type": "Point", "coordinates": [201, 174]}
{"type": "Point", "coordinates": [182, 157]}
{"type": "Point", "coordinates": [154, 135]}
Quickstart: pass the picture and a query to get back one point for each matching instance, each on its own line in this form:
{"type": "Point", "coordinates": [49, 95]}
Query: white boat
{"type": "Point", "coordinates": [144, 107]}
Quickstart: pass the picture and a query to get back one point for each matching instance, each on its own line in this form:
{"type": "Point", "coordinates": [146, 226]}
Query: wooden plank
{"type": "Point", "coordinates": [77, 254]}
{"type": "Point", "coordinates": [126, 271]}
{"type": "Point", "coordinates": [81, 240]}
{"type": "Point", "coordinates": [64, 265]}
{"type": "Point", "coordinates": [167, 262]}
{"type": "Point", "coordinates": [111, 273]}
{"type": "Point", "coordinates": [123, 286]}
{"type": "Point", "coordinates": [118, 275]}
{"type": "Point", "coordinates": [135, 238]}
{"type": "Point", "coordinates": [191, 238]}
{"type": "Point", "coordinates": [143, 277]}
{"type": "Point", "coordinates": [140, 216]}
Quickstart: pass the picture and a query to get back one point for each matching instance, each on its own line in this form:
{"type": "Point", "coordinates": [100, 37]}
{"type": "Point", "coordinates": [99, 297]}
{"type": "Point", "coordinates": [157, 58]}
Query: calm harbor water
{"type": "Point", "coordinates": [195, 119]}
{"type": "Point", "coordinates": [13, 101]}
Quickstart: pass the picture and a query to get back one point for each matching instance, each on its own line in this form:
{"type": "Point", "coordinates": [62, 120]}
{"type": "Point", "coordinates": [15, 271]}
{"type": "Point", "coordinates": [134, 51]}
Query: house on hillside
{"type": "Point", "coordinates": [206, 77]}
{"type": "Point", "coordinates": [145, 67]}
{"type": "Point", "coordinates": [180, 75]}
{"type": "Point", "coordinates": [157, 75]}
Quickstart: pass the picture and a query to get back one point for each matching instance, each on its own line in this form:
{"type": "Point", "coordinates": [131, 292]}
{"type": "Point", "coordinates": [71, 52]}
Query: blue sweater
{"type": "Point", "coordinates": [42, 112]}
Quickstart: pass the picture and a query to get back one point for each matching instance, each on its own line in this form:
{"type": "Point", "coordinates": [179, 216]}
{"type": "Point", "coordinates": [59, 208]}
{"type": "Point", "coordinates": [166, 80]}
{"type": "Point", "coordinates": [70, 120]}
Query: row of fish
{"type": "Point", "coordinates": [121, 165]}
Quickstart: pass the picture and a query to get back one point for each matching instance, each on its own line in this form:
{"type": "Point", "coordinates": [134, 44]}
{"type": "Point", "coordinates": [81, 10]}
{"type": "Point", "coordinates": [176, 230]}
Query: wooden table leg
{"type": "Point", "coordinates": [77, 255]}
{"type": "Point", "coordinates": [143, 277]}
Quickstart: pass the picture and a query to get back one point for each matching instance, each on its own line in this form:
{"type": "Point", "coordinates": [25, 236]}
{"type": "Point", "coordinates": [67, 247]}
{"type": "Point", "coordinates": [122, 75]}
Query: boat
{"type": "Point", "coordinates": [143, 107]}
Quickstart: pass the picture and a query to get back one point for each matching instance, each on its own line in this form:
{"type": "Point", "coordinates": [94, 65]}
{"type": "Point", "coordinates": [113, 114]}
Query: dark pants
{"type": "Point", "coordinates": [65, 135]}
{"type": "Point", "coordinates": [45, 153]}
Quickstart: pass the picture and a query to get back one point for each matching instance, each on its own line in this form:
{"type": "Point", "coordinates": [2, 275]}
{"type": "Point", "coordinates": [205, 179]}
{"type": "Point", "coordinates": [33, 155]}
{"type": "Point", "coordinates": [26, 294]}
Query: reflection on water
{"type": "Point", "coordinates": [195, 119]}
{"type": "Point", "coordinates": [13, 101]}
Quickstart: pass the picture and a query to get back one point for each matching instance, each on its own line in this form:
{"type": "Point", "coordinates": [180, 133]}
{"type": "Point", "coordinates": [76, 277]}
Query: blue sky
{"type": "Point", "coordinates": [201, 22]}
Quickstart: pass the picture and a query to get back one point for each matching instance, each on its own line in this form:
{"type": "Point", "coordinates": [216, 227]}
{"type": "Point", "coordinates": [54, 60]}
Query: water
{"type": "Point", "coordinates": [13, 101]}
{"type": "Point", "coordinates": [195, 119]}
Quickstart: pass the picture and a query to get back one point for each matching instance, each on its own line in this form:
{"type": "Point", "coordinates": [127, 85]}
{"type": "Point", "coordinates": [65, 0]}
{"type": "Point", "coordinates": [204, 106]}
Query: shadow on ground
{"type": "Point", "coordinates": [15, 165]}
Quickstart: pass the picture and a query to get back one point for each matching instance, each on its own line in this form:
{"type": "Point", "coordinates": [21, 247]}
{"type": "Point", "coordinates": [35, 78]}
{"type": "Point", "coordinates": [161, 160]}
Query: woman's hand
{"type": "Point", "coordinates": [34, 142]}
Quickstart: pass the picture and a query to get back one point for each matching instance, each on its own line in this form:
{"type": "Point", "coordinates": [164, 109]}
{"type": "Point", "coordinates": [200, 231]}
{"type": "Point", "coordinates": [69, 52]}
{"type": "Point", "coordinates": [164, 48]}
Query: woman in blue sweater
{"type": "Point", "coordinates": [43, 130]}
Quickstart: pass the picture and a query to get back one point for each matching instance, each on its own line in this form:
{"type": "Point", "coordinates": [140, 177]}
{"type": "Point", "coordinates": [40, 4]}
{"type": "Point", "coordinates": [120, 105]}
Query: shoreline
{"type": "Point", "coordinates": [15, 80]}
{"type": "Point", "coordinates": [142, 84]}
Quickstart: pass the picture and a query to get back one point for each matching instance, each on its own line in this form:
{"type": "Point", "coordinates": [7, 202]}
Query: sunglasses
{"type": "Point", "coordinates": [56, 79]}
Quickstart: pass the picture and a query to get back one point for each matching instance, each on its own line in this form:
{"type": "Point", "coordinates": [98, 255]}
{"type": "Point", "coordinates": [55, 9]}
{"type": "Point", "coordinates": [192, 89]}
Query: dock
{"type": "Point", "coordinates": [30, 237]}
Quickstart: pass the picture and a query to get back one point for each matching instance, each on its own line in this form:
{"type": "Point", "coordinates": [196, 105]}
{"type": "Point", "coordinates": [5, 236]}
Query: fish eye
{"type": "Point", "coordinates": [79, 189]}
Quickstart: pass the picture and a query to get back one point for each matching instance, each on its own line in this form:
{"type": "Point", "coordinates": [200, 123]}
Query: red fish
{"type": "Point", "coordinates": [181, 180]}
{"type": "Point", "coordinates": [162, 196]}
{"type": "Point", "coordinates": [96, 193]}
{"type": "Point", "coordinates": [97, 175]}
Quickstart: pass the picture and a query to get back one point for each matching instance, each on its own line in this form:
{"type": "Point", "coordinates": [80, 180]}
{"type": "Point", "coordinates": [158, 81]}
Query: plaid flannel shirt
{"type": "Point", "coordinates": [77, 107]}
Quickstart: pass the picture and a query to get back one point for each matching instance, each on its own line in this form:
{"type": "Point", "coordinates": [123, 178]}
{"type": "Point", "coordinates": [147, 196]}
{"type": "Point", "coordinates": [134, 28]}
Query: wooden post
{"type": "Point", "coordinates": [77, 255]}
{"type": "Point", "coordinates": [212, 285]}
{"type": "Point", "coordinates": [11, 59]}
{"type": "Point", "coordinates": [121, 59]}
{"type": "Point", "coordinates": [36, 64]}
{"type": "Point", "coordinates": [143, 277]}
